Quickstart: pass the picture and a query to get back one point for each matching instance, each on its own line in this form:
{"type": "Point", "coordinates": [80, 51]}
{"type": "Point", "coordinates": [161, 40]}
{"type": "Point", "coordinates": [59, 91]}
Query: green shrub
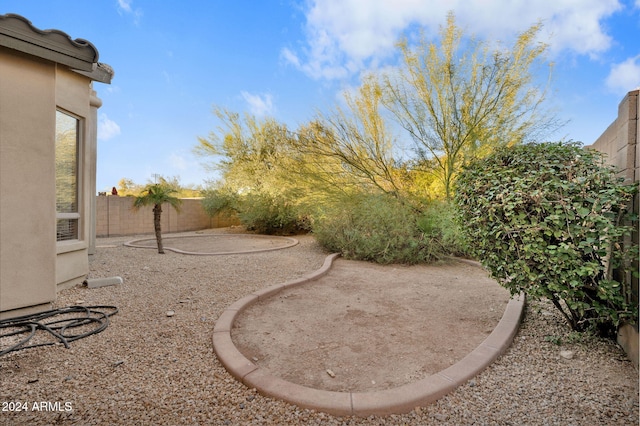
{"type": "Point", "coordinates": [376, 228]}
{"type": "Point", "coordinates": [259, 212]}
{"type": "Point", "coordinates": [547, 219]}
{"type": "Point", "coordinates": [219, 201]}
{"type": "Point", "coordinates": [439, 223]}
{"type": "Point", "coordinates": [268, 214]}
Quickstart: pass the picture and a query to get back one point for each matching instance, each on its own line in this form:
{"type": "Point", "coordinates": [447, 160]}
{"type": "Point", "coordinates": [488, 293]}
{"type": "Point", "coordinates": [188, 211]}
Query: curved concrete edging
{"type": "Point", "coordinates": [398, 400]}
{"type": "Point", "coordinates": [292, 242]}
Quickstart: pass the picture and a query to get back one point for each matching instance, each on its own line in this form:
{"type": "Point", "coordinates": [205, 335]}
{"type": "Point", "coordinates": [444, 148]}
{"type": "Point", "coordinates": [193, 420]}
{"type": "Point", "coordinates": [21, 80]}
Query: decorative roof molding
{"type": "Point", "coordinates": [18, 33]}
{"type": "Point", "coordinates": [101, 72]}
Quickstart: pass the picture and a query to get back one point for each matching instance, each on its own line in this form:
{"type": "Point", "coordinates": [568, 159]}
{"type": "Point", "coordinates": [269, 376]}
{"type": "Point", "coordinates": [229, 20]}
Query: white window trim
{"type": "Point", "coordinates": [67, 215]}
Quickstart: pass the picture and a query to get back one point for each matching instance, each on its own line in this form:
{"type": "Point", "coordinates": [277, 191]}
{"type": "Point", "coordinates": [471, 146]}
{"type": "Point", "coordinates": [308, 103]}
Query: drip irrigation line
{"type": "Point", "coordinates": [25, 327]}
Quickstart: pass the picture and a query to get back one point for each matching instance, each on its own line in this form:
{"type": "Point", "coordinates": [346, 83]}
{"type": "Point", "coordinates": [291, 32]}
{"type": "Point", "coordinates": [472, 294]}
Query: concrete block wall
{"type": "Point", "coordinates": [115, 216]}
{"type": "Point", "coordinates": [619, 142]}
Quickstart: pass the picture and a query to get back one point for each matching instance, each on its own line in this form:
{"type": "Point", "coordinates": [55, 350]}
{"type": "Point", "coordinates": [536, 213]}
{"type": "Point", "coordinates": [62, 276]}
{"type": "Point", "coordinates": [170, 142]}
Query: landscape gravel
{"type": "Point", "coordinates": [150, 368]}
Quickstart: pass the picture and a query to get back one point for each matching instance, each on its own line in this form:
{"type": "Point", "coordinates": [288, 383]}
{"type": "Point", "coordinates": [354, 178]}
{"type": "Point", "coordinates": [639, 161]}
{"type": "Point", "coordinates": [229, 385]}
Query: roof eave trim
{"type": "Point", "coordinates": [17, 32]}
{"type": "Point", "coordinates": [102, 73]}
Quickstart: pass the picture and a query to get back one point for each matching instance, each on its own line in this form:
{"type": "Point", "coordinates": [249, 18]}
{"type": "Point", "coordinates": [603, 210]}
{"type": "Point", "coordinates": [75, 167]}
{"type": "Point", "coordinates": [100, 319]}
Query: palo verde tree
{"type": "Point", "coordinates": [461, 98]}
{"type": "Point", "coordinates": [354, 144]}
{"type": "Point", "coordinates": [156, 194]}
{"type": "Point", "coordinates": [127, 187]}
{"type": "Point", "coordinates": [250, 152]}
{"type": "Point", "coordinates": [256, 159]}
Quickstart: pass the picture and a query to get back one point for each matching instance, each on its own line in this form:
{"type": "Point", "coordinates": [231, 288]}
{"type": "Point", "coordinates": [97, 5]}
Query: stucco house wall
{"type": "Point", "coordinates": [42, 72]}
{"type": "Point", "coordinates": [73, 95]}
{"type": "Point", "coordinates": [27, 181]}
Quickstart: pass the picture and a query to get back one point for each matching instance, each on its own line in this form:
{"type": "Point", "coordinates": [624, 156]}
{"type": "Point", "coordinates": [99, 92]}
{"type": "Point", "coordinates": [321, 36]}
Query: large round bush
{"type": "Point", "coordinates": [548, 220]}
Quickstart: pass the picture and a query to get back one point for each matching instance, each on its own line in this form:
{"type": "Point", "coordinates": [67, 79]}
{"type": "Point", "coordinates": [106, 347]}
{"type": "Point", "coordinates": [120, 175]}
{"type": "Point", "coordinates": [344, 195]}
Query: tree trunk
{"type": "Point", "coordinates": [157, 212]}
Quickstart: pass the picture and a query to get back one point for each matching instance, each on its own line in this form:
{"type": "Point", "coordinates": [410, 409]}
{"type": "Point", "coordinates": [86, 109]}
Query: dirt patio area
{"type": "Point", "coordinates": [366, 327]}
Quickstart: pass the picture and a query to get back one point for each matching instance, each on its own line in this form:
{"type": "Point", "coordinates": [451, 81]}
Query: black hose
{"type": "Point", "coordinates": [26, 326]}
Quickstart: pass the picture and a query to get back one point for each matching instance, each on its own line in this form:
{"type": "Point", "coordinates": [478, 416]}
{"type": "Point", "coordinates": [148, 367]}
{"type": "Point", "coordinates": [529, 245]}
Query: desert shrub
{"type": "Point", "coordinates": [375, 227]}
{"type": "Point", "coordinates": [270, 214]}
{"type": "Point", "coordinates": [548, 220]}
{"type": "Point", "coordinates": [219, 201]}
{"type": "Point", "coordinates": [260, 212]}
{"type": "Point", "coordinates": [438, 221]}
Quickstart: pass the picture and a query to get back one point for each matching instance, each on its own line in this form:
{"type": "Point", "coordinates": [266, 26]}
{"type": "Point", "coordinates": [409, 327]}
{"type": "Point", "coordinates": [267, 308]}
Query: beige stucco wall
{"type": "Point", "coordinates": [33, 266]}
{"type": "Point", "coordinates": [73, 94]}
{"type": "Point", "coordinates": [27, 182]}
{"type": "Point", "coordinates": [115, 216]}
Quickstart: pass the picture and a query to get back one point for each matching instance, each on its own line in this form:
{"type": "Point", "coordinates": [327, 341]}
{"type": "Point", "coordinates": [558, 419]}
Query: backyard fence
{"type": "Point", "coordinates": [620, 139]}
{"type": "Point", "coordinates": [620, 144]}
{"type": "Point", "coordinates": [115, 216]}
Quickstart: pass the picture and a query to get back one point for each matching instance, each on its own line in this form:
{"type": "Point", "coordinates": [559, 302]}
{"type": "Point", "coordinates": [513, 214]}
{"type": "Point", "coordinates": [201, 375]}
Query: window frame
{"type": "Point", "coordinates": [73, 243]}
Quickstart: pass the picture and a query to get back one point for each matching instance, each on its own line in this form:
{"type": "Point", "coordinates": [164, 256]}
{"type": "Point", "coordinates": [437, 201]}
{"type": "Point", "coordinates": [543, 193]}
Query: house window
{"type": "Point", "coordinates": [67, 147]}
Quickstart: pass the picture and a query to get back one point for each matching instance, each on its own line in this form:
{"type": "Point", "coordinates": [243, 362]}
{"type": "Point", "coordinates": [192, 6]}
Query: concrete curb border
{"type": "Point", "coordinates": [291, 242]}
{"type": "Point", "coordinates": [398, 400]}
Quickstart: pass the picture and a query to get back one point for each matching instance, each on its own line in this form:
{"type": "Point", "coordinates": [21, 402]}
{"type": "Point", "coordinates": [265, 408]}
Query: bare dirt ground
{"type": "Point", "coordinates": [366, 327]}
{"type": "Point", "coordinates": [206, 243]}
{"type": "Point", "coordinates": [147, 368]}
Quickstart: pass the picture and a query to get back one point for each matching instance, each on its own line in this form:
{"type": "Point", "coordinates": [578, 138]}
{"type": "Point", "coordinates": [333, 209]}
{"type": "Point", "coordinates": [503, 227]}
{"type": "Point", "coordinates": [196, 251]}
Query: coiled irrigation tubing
{"type": "Point", "coordinates": [63, 324]}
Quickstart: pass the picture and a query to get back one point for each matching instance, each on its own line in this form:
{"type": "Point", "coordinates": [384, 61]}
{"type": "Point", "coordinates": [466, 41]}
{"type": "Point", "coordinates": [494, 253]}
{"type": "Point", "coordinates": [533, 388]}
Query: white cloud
{"type": "Point", "coordinates": [578, 26]}
{"type": "Point", "coordinates": [345, 36]}
{"type": "Point", "coordinates": [107, 128]}
{"type": "Point", "coordinates": [259, 105]}
{"type": "Point", "coordinates": [624, 76]}
{"type": "Point", "coordinates": [125, 7]}
{"type": "Point", "coordinates": [290, 57]}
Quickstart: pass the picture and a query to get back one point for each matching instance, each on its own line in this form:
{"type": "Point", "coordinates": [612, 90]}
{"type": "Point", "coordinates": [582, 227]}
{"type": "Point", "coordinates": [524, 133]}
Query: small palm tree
{"type": "Point", "coordinates": [157, 194]}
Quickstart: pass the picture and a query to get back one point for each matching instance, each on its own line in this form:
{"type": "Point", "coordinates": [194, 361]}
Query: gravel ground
{"type": "Point", "coordinates": [150, 369]}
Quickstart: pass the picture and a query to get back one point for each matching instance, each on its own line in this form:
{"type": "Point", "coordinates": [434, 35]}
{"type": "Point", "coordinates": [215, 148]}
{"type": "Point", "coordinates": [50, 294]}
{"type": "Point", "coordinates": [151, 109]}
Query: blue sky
{"type": "Point", "coordinates": [174, 61]}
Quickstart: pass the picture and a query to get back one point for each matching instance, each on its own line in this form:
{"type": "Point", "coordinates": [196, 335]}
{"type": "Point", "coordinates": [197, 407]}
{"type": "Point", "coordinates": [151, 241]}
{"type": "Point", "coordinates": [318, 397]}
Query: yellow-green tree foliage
{"type": "Point", "coordinates": [354, 144]}
{"type": "Point", "coordinates": [127, 187]}
{"type": "Point", "coordinates": [252, 155]}
{"type": "Point", "coordinates": [405, 134]}
{"type": "Point", "coordinates": [461, 97]}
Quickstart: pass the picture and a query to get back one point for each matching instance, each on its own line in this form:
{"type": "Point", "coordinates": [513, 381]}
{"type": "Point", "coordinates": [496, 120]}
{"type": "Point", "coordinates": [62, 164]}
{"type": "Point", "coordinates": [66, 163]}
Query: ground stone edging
{"type": "Point", "coordinates": [398, 400]}
{"type": "Point", "coordinates": [134, 243]}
